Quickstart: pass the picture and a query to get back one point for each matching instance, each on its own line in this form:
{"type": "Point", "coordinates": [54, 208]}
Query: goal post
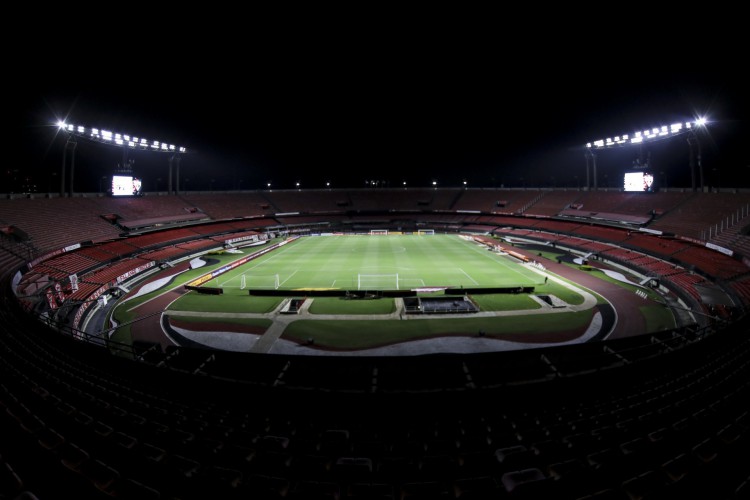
{"type": "Point", "coordinates": [379, 232]}
{"type": "Point", "coordinates": [422, 232]}
{"type": "Point", "coordinates": [259, 281]}
{"type": "Point", "coordinates": [377, 281]}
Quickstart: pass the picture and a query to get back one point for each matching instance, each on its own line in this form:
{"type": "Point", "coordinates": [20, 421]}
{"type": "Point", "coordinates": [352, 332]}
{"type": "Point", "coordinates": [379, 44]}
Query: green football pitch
{"type": "Point", "coordinates": [386, 262]}
{"type": "Point", "coordinates": [425, 264]}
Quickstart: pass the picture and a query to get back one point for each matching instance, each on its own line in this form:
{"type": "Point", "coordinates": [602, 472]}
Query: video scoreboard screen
{"type": "Point", "coordinates": [638, 181]}
{"type": "Point", "coordinates": [126, 185]}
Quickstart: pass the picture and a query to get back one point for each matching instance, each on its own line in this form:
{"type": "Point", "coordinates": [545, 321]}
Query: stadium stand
{"type": "Point", "coordinates": [550, 204]}
{"type": "Point", "coordinates": [231, 205]}
{"type": "Point", "coordinates": [480, 200]}
{"type": "Point", "coordinates": [702, 214]}
{"type": "Point", "coordinates": [653, 416]}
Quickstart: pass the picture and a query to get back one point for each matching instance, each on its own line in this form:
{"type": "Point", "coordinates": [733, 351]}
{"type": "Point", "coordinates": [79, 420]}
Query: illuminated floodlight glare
{"type": "Point", "coordinates": [649, 134]}
{"type": "Point", "coordinates": [108, 137]}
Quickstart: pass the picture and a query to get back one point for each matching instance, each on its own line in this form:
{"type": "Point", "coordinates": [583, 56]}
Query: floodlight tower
{"type": "Point", "coordinates": [124, 141]}
{"type": "Point", "coordinates": [590, 156]}
{"type": "Point", "coordinates": [174, 160]}
{"type": "Point", "coordinates": [694, 144]}
{"type": "Point", "coordinates": [651, 135]}
{"type": "Point", "coordinates": [68, 152]}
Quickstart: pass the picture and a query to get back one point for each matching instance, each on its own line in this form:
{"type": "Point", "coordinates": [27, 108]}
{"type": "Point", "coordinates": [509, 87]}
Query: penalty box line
{"type": "Point", "coordinates": [468, 276]}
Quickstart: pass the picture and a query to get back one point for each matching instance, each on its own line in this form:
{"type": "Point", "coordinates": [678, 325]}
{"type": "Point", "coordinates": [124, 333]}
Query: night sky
{"type": "Point", "coordinates": [352, 111]}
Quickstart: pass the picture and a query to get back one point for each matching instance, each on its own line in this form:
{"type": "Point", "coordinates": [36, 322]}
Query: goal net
{"type": "Point", "coordinates": [377, 232]}
{"type": "Point", "coordinates": [256, 281]}
{"type": "Point", "coordinates": [422, 232]}
{"type": "Point", "coordinates": [377, 281]}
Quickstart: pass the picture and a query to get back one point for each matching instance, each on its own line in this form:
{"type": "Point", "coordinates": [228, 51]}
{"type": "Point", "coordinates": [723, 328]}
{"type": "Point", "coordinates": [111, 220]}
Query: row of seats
{"type": "Point", "coordinates": [688, 214]}
{"type": "Point", "coordinates": [100, 426]}
{"type": "Point", "coordinates": [665, 419]}
{"type": "Point", "coordinates": [709, 262]}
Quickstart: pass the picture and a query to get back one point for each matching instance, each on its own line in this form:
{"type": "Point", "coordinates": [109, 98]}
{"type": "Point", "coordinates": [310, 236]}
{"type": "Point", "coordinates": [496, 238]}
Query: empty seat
{"type": "Point", "coordinates": [353, 469]}
{"type": "Point", "coordinates": [72, 456]}
{"type": "Point", "coordinates": [427, 490]}
{"type": "Point", "coordinates": [132, 489]}
{"type": "Point", "coordinates": [102, 476]}
{"type": "Point", "coordinates": [264, 486]}
{"type": "Point", "coordinates": [549, 450]}
{"type": "Point", "coordinates": [10, 482]}
{"type": "Point", "coordinates": [526, 483]}
{"type": "Point", "coordinates": [335, 442]}
{"type": "Point", "coordinates": [218, 482]}
{"type": "Point", "coordinates": [368, 491]}
{"type": "Point", "coordinates": [572, 478]}
{"type": "Point", "coordinates": [177, 472]}
{"type": "Point", "coordinates": [476, 487]}
{"type": "Point", "coordinates": [432, 467]}
{"type": "Point", "coordinates": [314, 490]}
{"type": "Point", "coordinates": [515, 457]}
{"type": "Point", "coordinates": [649, 484]}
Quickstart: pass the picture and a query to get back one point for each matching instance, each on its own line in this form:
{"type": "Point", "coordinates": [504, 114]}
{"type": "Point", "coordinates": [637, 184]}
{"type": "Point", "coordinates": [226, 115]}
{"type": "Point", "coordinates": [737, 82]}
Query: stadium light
{"type": "Point", "coordinates": [125, 141]}
{"type": "Point", "coordinates": [113, 138]}
{"type": "Point", "coordinates": [655, 133]}
{"type": "Point", "coordinates": [651, 135]}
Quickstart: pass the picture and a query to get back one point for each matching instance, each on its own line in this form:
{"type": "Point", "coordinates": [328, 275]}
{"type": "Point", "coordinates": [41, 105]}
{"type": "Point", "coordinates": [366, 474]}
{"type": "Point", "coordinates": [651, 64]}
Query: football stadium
{"type": "Point", "coordinates": [566, 342]}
